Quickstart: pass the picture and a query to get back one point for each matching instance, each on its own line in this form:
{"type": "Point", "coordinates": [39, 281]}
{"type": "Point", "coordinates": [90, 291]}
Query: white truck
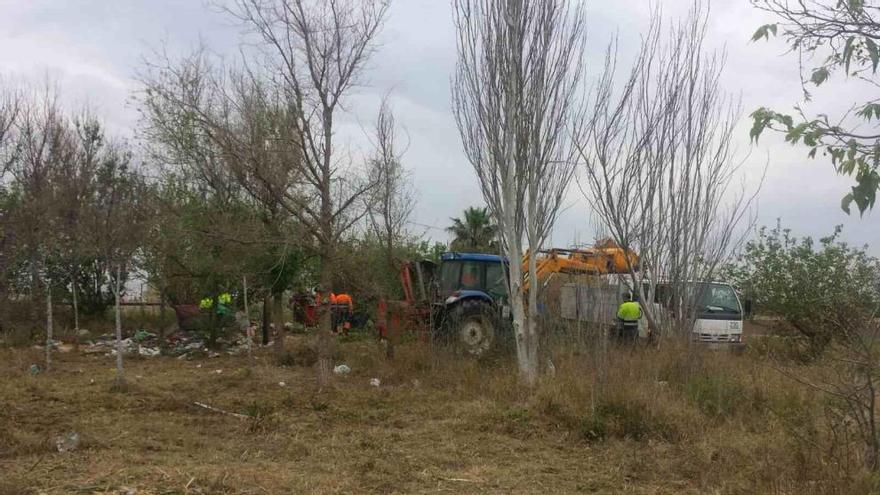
{"type": "Point", "coordinates": [718, 313]}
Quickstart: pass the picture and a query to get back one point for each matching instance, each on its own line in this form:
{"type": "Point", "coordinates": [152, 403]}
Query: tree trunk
{"type": "Point", "coordinates": [75, 317]}
{"type": "Point", "coordinates": [278, 318]}
{"type": "Point", "coordinates": [267, 308]}
{"type": "Point", "coordinates": [324, 366]}
{"type": "Point", "coordinates": [532, 339]}
{"type": "Point", "coordinates": [528, 370]}
{"type": "Point", "coordinates": [163, 344]}
{"type": "Point", "coordinates": [120, 374]}
{"type": "Point", "coordinates": [75, 312]}
{"type": "Point", "coordinates": [247, 314]}
{"type": "Point", "coordinates": [49, 325]}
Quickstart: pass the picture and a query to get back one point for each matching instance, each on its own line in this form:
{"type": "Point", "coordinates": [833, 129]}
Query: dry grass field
{"type": "Point", "coordinates": [657, 421]}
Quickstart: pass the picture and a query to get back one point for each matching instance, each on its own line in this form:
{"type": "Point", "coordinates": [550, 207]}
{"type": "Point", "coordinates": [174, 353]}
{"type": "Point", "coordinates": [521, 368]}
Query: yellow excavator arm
{"type": "Point", "coordinates": [604, 258]}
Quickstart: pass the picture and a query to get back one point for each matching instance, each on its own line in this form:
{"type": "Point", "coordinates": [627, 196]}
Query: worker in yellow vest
{"type": "Point", "coordinates": [628, 315]}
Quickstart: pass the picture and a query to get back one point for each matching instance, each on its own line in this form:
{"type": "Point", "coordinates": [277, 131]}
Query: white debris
{"type": "Point", "coordinates": [148, 351]}
{"type": "Point", "coordinates": [68, 443]}
{"type": "Point", "coordinates": [342, 369]}
{"type": "Point", "coordinates": [375, 382]}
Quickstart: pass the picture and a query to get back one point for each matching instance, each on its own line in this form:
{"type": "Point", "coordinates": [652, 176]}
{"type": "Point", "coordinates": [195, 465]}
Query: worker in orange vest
{"type": "Point", "coordinates": [341, 310]}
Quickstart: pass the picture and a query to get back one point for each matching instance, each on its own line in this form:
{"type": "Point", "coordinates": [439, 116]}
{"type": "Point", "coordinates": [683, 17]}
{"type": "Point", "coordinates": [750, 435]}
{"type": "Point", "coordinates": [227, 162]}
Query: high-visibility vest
{"type": "Point", "coordinates": [341, 299]}
{"type": "Point", "coordinates": [629, 311]}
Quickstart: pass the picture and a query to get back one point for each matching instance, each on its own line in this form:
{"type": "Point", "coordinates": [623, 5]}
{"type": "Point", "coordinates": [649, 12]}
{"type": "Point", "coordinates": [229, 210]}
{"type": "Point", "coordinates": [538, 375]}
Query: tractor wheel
{"type": "Point", "coordinates": [472, 328]}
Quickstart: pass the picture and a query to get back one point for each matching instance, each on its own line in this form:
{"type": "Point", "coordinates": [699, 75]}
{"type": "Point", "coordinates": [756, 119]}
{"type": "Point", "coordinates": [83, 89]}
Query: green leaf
{"type": "Point", "coordinates": [819, 76]}
{"type": "Point", "coordinates": [764, 32]}
{"type": "Point", "coordinates": [873, 52]}
{"type": "Point", "coordinates": [869, 111]}
{"type": "Point", "coordinates": [848, 52]}
{"type": "Point", "coordinates": [845, 202]}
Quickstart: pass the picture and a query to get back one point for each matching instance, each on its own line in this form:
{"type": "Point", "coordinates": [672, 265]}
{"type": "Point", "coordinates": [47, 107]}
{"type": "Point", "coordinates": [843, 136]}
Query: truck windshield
{"type": "Point", "coordinates": [718, 298]}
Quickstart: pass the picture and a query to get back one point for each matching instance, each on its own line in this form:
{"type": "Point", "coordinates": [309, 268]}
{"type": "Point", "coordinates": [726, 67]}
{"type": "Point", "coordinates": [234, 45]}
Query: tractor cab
{"type": "Point", "coordinates": [472, 275]}
{"type": "Point", "coordinates": [470, 306]}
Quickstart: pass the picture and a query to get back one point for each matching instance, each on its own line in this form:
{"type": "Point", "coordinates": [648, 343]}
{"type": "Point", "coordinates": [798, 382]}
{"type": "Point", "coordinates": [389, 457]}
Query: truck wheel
{"type": "Point", "coordinates": [472, 327]}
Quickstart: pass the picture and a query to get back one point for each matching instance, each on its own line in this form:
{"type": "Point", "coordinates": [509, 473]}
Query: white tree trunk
{"type": "Point", "coordinates": [532, 322]}
{"type": "Point", "coordinates": [528, 370]}
{"type": "Point", "coordinates": [75, 311]}
{"type": "Point", "coordinates": [120, 375]}
{"type": "Point", "coordinates": [247, 315]}
{"type": "Point", "coordinates": [49, 327]}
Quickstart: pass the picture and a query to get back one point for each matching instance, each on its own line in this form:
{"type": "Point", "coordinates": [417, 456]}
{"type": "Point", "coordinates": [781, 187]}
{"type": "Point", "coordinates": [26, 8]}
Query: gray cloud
{"type": "Point", "coordinates": [93, 48]}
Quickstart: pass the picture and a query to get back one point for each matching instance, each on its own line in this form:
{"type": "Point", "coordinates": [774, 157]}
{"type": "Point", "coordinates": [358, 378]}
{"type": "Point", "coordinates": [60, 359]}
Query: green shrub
{"type": "Point", "coordinates": [716, 395]}
{"type": "Point", "coordinates": [629, 419]}
{"type": "Point", "coordinates": [261, 418]}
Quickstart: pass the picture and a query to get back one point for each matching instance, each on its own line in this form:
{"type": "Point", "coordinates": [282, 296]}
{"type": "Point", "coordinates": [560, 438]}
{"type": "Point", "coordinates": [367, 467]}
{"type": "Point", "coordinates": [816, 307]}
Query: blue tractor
{"type": "Point", "coordinates": [462, 301]}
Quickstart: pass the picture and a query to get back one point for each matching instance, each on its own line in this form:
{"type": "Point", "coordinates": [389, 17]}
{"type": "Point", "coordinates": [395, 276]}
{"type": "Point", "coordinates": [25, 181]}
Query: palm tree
{"type": "Point", "coordinates": [476, 232]}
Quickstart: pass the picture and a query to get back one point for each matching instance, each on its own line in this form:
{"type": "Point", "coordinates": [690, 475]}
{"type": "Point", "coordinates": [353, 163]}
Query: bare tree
{"type": "Point", "coordinates": [10, 108]}
{"type": "Point", "coordinates": [116, 226]}
{"type": "Point", "coordinates": [44, 145]}
{"type": "Point", "coordinates": [659, 164]}
{"type": "Point", "coordinates": [317, 50]}
{"type": "Point", "coordinates": [232, 132]}
{"type": "Point", "coordinates": [390, 204]}
{"type": "Point", "coordinates": [314, 53]}
{"type": "Point", "coordinates": [75, 184]}
{"type": "Point", "coordinates": [514, 92]}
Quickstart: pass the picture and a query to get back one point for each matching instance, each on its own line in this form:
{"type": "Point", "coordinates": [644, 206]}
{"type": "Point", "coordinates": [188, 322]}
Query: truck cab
{"type": "Point", "coordinates": [717, 312]}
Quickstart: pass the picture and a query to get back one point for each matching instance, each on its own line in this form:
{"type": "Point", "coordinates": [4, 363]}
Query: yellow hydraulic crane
{"type": "Point", "coordinates": [605, 257]}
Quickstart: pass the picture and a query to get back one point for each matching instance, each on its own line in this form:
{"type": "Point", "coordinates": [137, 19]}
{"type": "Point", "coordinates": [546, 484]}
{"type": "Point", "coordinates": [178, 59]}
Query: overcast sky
{"type": "Point", "coordinates": [93, 49]}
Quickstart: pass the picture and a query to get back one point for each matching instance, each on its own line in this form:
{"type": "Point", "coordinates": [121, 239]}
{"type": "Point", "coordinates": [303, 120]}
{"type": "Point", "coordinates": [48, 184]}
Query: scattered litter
{"type": "Point", "coordinates": [342, 369]}
{"type": "Point", "coordinates": [221, 411]}
{"type": "Point", "coordinates": [181, 344]}
{"type": "Point", "coordinates": [126, 491]}
{"type": "Point", "coordinates": [142, 335]}
{"type": "Point", "coordinates": [551, 368]}
{"type": "Point", "coordinates": [149, 351]}
{"type": "Point", "coordinates": [68, 443]}
{"type": "Point", "coordinates": [83, 333]}
{"type": "Point", "coordinates": [282, 384]}
{"type": "Point", "coordinates": [34, 370]}
{"type": "Point", "coordinates": [218, 372]}
{"type": "Point", "coordinates": [375, 382]}
{"type": "Point", "coordinates": [193, 346]}
{"type": "Point", "coordinates": [198, 366]}
{"type": "Point", "coordinates": [662, 383]}
{"type": "Point", "coordinates": [92, 381]}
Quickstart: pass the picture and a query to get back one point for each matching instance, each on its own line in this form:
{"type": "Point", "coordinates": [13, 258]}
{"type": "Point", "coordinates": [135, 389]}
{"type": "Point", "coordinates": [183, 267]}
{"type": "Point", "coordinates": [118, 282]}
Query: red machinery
{"type": "Point", "coordinates": [414, 311]}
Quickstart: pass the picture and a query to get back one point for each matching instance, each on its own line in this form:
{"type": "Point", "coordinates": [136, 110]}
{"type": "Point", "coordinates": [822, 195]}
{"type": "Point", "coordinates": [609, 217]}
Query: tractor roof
{"type": "Point", "coordinates": [473, 257]}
